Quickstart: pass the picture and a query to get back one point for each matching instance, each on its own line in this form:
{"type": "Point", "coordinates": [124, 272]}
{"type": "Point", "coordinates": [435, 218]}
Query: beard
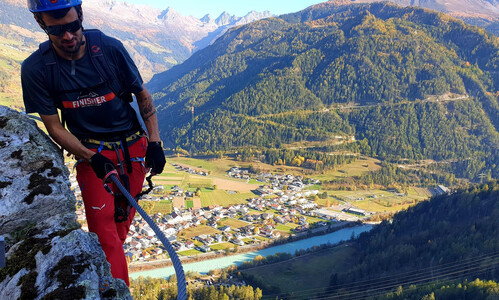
{"type": "Point", "coordinates": [69, 47]}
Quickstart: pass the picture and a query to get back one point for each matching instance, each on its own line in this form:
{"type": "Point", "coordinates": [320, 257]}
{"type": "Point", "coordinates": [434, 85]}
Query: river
{"type": "Point", "coordinates": [205, 266]}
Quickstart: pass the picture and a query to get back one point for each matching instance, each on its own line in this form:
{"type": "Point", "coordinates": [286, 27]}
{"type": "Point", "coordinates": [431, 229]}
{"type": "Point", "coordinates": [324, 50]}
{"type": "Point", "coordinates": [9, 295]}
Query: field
{"type": "Point", "coordinates": [223, 198]}
{"type": "Point", "coordinates": [234, 185]}
{"type": "Point", "coordinates": [164, 207]}
{"type": "Point", "coordinates": [190, 252]}
{"type": "Point", "coordinates": [381, 201]}
{"type": "Point", "coordinates": [221, 246]}
{"type": "Point", "coordinates": [198, 230]}
{"type": "Point", "coordinates": [219, 189]}
{"type": "Point", "coordinates": [178, 202]}
{"type": "Point", "coordinates": [355, 168]}
{"type": "Point", "coordinates": [233, 223]}
{"type": "Point", "coordinates": [313, 275]}
{"type": "Point", "coordinates": [193, 181]}
{"type": "Point", "coordinates": [286, 228]}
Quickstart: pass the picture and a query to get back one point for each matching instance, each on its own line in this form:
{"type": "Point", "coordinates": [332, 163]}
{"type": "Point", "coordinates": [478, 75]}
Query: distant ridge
{"type": "Point", "coordinates": [483, 13]}
{"type": "Point", "coordinates": [157, 39]}
{"type": "Point", "coordinates": [402, 79]}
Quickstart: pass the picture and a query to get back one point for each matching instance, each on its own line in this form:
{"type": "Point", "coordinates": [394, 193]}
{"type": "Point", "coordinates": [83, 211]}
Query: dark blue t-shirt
{"type": "Point", "coordinates": [90, 107]}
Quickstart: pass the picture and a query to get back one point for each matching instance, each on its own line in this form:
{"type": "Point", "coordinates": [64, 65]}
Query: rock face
{"type": "Point", "coordinates": [47, 253]}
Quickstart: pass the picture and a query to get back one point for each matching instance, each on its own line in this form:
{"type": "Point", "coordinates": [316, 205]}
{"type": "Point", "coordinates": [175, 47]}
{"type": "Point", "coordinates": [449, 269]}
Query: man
{"type": "Point", "coordinates": [103, 130]}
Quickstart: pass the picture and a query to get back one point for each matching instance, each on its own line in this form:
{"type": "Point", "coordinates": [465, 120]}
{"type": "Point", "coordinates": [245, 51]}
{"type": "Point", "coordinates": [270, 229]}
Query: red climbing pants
{"type": "Point", "coordinates": [99, 206]}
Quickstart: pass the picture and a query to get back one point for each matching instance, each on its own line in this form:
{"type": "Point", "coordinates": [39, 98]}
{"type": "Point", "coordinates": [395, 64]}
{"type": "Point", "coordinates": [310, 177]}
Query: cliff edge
{"type": "Point", "coordinates": [48, 256]}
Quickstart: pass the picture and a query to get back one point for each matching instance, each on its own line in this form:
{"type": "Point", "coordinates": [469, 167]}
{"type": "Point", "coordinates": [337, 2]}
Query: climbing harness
{"type": "Point", "coordinates": [177, 264]}
{"type": "Point", "coordinates": [121, 206]}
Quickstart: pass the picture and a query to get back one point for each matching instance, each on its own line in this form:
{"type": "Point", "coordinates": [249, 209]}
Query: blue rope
{"type": "Point", "coordinates": [177, 265]}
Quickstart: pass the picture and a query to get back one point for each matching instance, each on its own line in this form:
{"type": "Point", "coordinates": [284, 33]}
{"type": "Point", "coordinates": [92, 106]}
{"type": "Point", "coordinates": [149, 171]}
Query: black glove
{"type": "Point", "coordinates": [102, 165]}
{"type": "Point", "coordinates": [155, 157]}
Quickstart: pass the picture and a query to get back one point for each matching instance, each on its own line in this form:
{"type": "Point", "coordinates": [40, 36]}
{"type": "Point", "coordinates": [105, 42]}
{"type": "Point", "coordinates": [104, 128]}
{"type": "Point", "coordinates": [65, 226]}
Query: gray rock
{"type": "Point", "coordinates": [48, 255]}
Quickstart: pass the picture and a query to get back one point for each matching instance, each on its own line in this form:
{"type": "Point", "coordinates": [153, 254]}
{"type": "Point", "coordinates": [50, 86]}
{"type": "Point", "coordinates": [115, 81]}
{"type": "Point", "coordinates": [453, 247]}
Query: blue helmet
{"type": "Point", "coordinates": [48, 5]}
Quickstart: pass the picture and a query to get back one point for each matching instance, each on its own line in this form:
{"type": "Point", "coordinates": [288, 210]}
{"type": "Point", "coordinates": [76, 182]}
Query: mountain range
{"type": "Point", "coordinates": [156, 39]}
{"type": "Point", "coordinates": [483, 13]}
{"type": "Point", "coordinates": [412, 83]}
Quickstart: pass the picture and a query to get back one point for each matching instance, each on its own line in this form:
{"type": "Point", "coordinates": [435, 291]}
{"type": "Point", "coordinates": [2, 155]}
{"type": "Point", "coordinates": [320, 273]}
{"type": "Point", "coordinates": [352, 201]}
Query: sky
{"type": "Point", "coordinates": [199, 8]}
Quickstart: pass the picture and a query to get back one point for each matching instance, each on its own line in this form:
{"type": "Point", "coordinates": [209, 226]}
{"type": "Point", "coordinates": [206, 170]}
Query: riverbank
{"type": "Point", "coordinates": [204, 267]}
{"type": "Point", "coordinates": [157, 264]}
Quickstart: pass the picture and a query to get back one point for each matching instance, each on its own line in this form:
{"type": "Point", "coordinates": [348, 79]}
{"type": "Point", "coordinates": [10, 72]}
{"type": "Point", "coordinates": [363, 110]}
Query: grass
{"type": "Point", "coordinates": [223, 198]}
{"type": "Point", "coordinates": [189, 203]}
{"type": "Point", "coordinates": [234, 223]}
{"type": "Point", "coordinates": [356, 168]}
{"type": "Point", "coordinates": [197, 182]}
{"type": "Point", "coordinates": [261, 238]}
{"type": "Point", "coordinates": [189, 252]}
{"type": "Point", "coordinates": [218, 167]}
{"type": "Point", "coordinates": [195, 231]}
{"type": "Point", "coordinates": [384, 201]}
{"type": "Point", "coordinates": [164, 207]}
{"type": "Point", "coordinates": [306, 273]}
{"type": "Point", "coordinates": [221, 246]}
{"type": "Point", "coordinates": [314, 187]}
{"type": "Point", "coordinates": [286, 228]}
{"type": "Point", "coordinates": [312, 220]}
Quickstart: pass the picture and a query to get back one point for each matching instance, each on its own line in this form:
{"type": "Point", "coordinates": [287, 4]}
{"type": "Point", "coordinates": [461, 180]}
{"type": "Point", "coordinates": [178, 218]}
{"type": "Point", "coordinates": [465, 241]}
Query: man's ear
{"type": "Point", "coordinates": [39, 20]}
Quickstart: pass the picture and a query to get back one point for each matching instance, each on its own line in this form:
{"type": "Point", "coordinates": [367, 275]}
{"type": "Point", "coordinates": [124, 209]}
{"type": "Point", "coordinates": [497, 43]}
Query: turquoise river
{"type": "Point", "coordinates": [205, 266]}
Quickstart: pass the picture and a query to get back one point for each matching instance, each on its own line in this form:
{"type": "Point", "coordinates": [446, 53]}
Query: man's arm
{"type": "Point", "coordinates": [148, 113]}
{"type": "Point", "coordinates": [64, 138]}
{"type": "Point", "coordinates": [155, 157]}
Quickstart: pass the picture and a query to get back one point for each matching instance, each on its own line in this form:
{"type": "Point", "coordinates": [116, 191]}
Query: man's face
{"type": "Point", "coordinates": [66, 39]}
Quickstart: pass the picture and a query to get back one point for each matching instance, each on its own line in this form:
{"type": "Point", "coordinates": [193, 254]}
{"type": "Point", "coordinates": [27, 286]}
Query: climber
{"type": "Point", "coordinates": [90, 77]}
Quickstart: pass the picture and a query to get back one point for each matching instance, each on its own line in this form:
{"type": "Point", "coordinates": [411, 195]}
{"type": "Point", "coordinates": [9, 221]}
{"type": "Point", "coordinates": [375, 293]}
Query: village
{"type": "Point", "coordinates": [280, 200]}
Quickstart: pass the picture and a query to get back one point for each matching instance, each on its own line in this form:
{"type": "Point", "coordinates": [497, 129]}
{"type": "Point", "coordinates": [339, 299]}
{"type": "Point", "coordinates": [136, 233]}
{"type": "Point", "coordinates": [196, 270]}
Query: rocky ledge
{"type": "Point", "coordinates": [48, 256]}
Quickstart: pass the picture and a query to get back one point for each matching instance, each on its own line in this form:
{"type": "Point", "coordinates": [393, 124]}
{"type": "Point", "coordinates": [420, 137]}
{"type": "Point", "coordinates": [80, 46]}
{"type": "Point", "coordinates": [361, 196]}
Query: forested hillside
{"type": "Point", "coordinates": [452, 236]}
{"type": "Point", "coordinates": [410, 83]}
{"type": "Point", "coordinates": [438, 246]}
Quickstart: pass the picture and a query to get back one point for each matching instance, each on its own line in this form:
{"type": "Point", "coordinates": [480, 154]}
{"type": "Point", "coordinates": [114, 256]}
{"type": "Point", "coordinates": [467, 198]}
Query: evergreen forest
{"type": "Point", "coordinates": [399, 84]}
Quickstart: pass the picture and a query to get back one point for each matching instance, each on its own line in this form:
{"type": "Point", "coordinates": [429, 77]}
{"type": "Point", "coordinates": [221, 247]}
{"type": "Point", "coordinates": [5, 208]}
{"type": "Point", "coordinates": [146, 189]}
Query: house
{"type": "Point", "coordinates": [204, 248]}
{"type": "Point", "coordinates": [280, 220]}
{"type": "Point", "coordinates": [135, 245]}
{"type": "Point", "coordinates": [356, 211]}
{"type": "Point", "coordinates": [266, 216]}
{"type": "Point", "coordinates": [237, 242]}
{"type": "Point", "coordinates": [218, 237]}
{"type": "Point", "coordinates": [224, 228]}
{"type": "Point", "coordinates": [147, 231]}
{"type": "Point", "coordinates": [275, 206]}
{"type": "Point", "coordinates": [169, 231]}
{"type": "Point", "coordinates": [441, 190]}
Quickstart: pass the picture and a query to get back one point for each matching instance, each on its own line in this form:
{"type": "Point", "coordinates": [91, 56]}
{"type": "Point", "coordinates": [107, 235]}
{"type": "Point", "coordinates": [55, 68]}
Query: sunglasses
{"type": "Point", "coordinates": [60, 30]}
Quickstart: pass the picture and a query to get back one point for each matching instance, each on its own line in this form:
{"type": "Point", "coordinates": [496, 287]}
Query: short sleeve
{"type": "Point", "coordinates": [127, 70]}
{"type": "Point", "coordinates": [36, 96]}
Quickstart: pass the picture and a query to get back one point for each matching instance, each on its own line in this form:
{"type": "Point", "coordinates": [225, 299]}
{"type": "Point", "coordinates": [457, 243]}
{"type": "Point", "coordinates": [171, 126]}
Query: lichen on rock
{"type": "Point", "coordinates": [48, 255]}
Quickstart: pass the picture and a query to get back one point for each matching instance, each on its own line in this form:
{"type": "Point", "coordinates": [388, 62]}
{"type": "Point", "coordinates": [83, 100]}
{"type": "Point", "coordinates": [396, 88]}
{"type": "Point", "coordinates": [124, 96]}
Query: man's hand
{"type": "Point", "coordinates": [102, 166]}
{"type": "Point", "coordinates": [155, 157]}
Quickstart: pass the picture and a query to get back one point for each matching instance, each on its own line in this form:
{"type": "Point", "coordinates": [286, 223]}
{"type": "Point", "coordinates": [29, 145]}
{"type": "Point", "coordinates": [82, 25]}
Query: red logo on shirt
{"type": "Point", "coordinates": [95, 49]}
{"type": "Point", "coordinates": [53, 1]}
{"type": "Point", "coordinates": [89, 101]}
